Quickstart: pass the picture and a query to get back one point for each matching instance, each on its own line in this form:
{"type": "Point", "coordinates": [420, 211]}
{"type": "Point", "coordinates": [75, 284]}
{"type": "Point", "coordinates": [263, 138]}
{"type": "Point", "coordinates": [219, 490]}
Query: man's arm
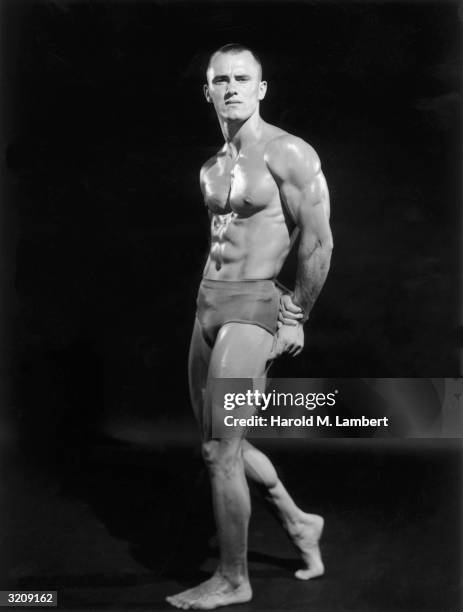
{"type": "Point", "coordinates": [296, 168]}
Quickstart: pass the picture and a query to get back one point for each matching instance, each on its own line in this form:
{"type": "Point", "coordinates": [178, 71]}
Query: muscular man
{"type": "Point", "coordinates": [261, 186]}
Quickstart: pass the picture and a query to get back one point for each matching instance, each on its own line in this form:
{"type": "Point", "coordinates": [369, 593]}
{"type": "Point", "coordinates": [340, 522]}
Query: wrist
{"type": "Point", "coordinates": [296, 298]}
{"type": "Point", "coordinates": [305, 314]}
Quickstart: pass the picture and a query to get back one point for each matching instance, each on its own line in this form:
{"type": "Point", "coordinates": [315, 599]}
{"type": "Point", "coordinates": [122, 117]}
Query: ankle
{"type": "Point", "coordinates": [305, 525]}
{"type": "Point", "coordinates": [295, 520]}
{"type": "Point", "coordinates": [294, 526]}
{"type": "Point", "coordinates": [235, 577]}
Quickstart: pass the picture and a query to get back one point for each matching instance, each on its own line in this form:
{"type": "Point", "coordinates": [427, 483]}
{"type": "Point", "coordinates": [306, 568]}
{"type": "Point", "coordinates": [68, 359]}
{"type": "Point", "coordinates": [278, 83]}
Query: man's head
{"type": "Point", "coordinates": [234, 82]}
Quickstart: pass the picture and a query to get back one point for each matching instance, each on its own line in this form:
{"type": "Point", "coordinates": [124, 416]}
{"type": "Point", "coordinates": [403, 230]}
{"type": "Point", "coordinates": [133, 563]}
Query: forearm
{"type": "Point", "coordinates": [312, 270]}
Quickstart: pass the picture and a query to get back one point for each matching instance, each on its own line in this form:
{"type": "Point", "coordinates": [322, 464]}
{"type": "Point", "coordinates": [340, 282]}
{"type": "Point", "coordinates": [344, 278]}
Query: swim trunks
{"type": "Point", "coordinates": [248, 301]}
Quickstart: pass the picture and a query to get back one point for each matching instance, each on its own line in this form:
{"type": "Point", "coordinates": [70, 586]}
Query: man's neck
{"type": "Point", "coordinates": [240, 135]}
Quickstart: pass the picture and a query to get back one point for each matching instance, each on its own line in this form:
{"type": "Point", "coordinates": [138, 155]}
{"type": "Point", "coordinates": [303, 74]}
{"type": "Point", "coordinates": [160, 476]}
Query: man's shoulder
{"type": "Point", "coordinates": [288, 154]}
{"type": "Point", "coordinates": [210, 163]}
{"type": "Point", "coordinates": [284, 143]}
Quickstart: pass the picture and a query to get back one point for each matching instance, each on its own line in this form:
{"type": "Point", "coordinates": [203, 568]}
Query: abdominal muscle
{"type": "Point", "coordinates": [247, 248]}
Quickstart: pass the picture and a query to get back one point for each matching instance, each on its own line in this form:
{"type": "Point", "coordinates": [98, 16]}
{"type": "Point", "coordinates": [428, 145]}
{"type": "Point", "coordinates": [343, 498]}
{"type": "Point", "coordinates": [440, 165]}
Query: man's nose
{"type": "Point", "coordinates": [231, 88]}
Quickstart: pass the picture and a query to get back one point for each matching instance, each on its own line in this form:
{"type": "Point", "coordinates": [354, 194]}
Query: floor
{"type": "Point", "coordinates": [119, 526]}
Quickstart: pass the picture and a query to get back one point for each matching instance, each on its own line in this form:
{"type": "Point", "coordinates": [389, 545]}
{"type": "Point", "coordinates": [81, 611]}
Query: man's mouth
{"type": "Point", "coordinates": [232, 102]}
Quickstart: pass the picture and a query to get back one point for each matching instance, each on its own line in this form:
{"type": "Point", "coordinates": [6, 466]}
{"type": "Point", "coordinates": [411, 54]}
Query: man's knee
{"type": "Point", "coordinates": [209, 451]}
{"type": "Point", "coordinates": [222, 457]}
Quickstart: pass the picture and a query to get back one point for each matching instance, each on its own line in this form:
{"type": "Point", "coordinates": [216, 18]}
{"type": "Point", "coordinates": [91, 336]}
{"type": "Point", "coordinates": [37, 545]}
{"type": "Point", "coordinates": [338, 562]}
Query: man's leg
{"type": "Point", "coordinates": [198, 367]}
{"type": "Point", "coordinates": [240, 351]}
{"type": "Point", "coordinates": [304, 529]}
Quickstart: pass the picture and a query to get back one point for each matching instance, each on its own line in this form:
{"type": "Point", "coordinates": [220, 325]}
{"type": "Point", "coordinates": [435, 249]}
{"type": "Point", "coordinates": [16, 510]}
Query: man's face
{"type": "Point", "coordinates": [234, 85]}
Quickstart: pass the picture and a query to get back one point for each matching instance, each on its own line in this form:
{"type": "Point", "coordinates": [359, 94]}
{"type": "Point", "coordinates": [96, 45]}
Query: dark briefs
{"type": "Point", "coordinates": [219, 302]}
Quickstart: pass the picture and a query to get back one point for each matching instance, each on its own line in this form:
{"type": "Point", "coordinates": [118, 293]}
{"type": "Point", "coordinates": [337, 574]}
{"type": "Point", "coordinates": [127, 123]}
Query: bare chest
{"type": "Point", "coordinates": [244, 187]}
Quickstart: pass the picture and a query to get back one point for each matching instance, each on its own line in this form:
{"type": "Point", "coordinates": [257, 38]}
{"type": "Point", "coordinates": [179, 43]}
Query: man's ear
{"type": "Point", "coordinates": [262, 89]}
{"type": "Point", "coordinates": [207, 94]}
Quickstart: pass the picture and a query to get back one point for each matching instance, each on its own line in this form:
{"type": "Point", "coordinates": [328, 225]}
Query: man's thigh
{"type": "Point", "coordinates": [198, 367]}
{"type": "Point", "coordinates": [241, 350]}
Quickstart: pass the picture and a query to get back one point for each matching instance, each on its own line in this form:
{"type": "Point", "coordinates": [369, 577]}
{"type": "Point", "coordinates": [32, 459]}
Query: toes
{"type": "Point", "coordinates": [303, 574]}
{"type": "Point", "coordinates": [183, 604]}
{"type": "Point", "coordinates": [171, 600]}
{"type": "Point", "coordinates": [177, 602]}
{"type": "Point", "coordinates": [208, 603]}
{"type": "Point", "coordinates": [307, 574]}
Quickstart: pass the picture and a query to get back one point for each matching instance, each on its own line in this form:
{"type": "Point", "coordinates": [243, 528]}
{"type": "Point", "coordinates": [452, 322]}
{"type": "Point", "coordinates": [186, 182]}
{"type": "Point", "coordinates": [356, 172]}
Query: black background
{"type": "Point", "coordinates": [104, 129]}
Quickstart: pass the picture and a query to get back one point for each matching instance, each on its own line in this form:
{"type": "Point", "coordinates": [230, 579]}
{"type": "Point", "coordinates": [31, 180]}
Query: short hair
{"type": "Point", "coordinates": [235, 48]}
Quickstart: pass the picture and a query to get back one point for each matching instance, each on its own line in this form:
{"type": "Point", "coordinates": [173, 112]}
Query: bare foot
{"type": "Point", "coordinates": [305, 535]}
{"type": "Point", "coordinates": [184, 597]}
{"type": "Point", "coordinates": [215, 592]}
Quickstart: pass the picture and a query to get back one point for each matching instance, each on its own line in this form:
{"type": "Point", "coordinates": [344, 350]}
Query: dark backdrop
{"type": "Point", "coordinates": [105, 128]}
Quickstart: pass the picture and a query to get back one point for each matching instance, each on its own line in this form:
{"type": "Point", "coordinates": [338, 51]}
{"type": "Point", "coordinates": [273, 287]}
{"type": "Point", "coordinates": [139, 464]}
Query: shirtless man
{"type": "Point", "coordinates": [261, 186]}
